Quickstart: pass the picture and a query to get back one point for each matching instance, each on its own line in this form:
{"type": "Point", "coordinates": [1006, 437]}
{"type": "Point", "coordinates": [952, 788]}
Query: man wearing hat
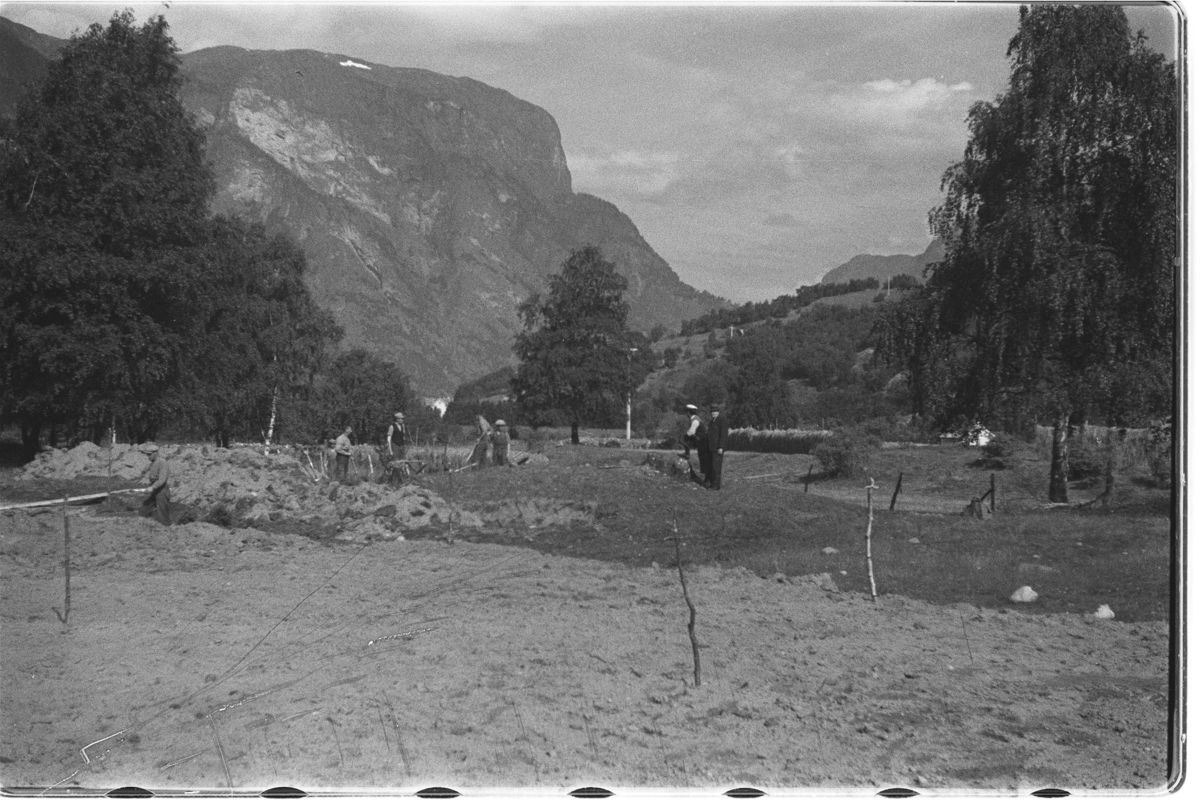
{"type": "Point", "coordinates": [696, 437]}
{"type": "Point", "coordinates": [396, 435]}
{"type": "Point", "coordinates": [718, 436]}
{"type": "Point", "coordinates": [158, 502]}
{"type": "Point", "coordinates": [500, 444]}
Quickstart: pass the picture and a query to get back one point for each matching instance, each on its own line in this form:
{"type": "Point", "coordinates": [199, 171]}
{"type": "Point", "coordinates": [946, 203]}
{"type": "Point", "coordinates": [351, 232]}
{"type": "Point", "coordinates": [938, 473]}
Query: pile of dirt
{"type": "Point", "coordinates": [122, 461]}
{"type": "Point", "coordinates": [247, 486]}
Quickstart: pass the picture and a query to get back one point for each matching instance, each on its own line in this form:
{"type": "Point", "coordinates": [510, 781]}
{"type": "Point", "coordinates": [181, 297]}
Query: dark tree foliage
{"type": "Point", "coordinates": [257, 337]}
{"type": "Point", "coordinates": [772, 309]}
{"type": "Point", "coordinates": [103, 188]}
{"type": "Point", "coordinates": [575, 351]}
{"type": "Point", "coordinates": [122, 303]}
{"type": "Point", "coordinates": [360, 390]}
{"type": "Point", "coordinates": [1055, 301]}
{"type": "Point", "coordinates": [820, 349]}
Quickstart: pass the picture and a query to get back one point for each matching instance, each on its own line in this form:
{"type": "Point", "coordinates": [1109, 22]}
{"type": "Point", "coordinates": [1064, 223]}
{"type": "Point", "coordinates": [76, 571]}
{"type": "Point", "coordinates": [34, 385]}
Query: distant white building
{"type": "Point", "coordinates": [438, 404]}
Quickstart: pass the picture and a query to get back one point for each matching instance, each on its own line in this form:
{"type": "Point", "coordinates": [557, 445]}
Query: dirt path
{"type": "Point", "coordinates": [213, 658]}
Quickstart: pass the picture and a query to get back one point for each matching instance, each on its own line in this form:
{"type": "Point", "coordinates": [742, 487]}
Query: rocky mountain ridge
{"type": "Point", "coordinates": [429, 206]}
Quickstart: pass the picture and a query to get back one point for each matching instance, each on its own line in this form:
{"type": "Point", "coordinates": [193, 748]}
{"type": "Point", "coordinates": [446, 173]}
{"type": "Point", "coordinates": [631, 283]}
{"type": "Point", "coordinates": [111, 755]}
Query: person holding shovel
{"type": "Point", "coordinates": [158, 502]}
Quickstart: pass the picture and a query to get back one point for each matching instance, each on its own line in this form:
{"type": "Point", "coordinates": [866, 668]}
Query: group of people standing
{"type": "Point", "coordinates": [708, 439]}
{"type": "Point", "coordinates": [342, 448]}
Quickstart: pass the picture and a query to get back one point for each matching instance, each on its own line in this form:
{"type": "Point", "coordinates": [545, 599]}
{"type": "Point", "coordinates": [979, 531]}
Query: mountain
{"type": "Point", "coordinates": [884, 267]}
{"type": "Point", "coordinates": [429, 206]}
{"type": "Point", "coordinates": [24, 56]}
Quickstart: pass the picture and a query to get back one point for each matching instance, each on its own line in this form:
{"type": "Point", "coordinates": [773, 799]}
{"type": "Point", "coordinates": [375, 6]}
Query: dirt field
{"type": "Point", "coordinates": [200, 656]}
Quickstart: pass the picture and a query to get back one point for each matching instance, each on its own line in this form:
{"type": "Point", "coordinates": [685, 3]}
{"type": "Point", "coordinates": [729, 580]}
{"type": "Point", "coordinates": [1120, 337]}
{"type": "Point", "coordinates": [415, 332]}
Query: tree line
{"type": "Point", "coordinates": [124, 304]}
{"type": "Point", "coordinates": [783, 305]}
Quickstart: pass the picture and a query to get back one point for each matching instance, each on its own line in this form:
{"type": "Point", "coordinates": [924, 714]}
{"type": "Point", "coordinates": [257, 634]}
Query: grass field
{"type": "Point", "coordinates": [764, 520]}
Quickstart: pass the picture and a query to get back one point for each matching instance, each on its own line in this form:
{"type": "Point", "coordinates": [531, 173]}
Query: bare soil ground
{"type": "Point", "coordinates": [536, 636]}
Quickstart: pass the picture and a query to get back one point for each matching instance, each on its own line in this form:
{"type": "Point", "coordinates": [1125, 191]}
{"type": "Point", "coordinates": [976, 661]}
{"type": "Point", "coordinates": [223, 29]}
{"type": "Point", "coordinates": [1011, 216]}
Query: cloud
{"type": "Point", "coordinates": [784, 220]}
{"type": "Point", "coordinates": [900, 102]}
{"type": "Point", "coordinates": [625, 173]}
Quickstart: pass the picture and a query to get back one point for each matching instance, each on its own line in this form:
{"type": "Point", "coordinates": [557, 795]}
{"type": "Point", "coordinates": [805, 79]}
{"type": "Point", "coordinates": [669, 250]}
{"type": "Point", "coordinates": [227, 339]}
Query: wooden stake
{"type": "Point", "coordinates": [808, 478]}
{"type": "Point", "coordinates": [896, 493]}
{"type": "Point", "coordinates": [63, 617]}
{"type": "Point", "coordinates": [870, 519]}
{"type": "Point", "coordinates": [691, 608]}
{"type": "Point", "coordinates": [993, 493]}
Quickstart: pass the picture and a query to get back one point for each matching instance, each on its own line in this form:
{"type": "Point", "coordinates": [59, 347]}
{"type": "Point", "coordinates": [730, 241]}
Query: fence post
{"type": "Point", "coordinates": [870, 519]}
{"type": "Point", "coordinates": [896, 493]}
{"type": "Point", "coordinates": [992, 500]}
{"type": "Point", "coordinates": [808, 478]}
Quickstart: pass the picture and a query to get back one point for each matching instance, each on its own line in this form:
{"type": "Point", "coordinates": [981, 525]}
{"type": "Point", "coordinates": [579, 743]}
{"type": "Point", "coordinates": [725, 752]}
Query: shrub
{"type": "Point", "coordinates": [1087, 455]}
{"type": "Point", "coordinates": [790, 441]}
{"type": "Point", "coordinates": [845, 453]}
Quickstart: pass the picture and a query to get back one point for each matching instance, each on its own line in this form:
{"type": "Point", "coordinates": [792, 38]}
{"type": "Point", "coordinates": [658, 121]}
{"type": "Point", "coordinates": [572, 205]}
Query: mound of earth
{"type": "Point", "coordinates": [247, 486]}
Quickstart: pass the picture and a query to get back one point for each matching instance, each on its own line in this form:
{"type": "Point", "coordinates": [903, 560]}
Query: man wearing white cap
{"type": "Point", "coordinates": [697, 437]}
{"type": "Point", "coordinates": [396, 436]}
{"type": "Point", "coordinates": [158, 503]}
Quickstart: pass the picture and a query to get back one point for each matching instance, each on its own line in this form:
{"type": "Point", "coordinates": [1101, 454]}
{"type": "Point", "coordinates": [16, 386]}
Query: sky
{"type": "Point", "coordinates": [755, 146]}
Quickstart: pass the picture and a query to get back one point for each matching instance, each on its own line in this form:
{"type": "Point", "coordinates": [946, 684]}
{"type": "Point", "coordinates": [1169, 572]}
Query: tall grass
{"type": "Point", "coordinates": [790, 441]}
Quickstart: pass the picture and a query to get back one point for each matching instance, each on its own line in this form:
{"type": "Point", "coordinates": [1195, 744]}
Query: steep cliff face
{"type": "Point", "coordinates": [429, 206]}
{"type": "Point", "coordinates": [884, 267]}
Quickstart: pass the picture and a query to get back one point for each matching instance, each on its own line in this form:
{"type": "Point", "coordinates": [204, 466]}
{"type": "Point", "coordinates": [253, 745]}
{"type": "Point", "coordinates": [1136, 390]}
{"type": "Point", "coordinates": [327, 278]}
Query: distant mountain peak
{"type": "Point", "coordinates": [884, 267]}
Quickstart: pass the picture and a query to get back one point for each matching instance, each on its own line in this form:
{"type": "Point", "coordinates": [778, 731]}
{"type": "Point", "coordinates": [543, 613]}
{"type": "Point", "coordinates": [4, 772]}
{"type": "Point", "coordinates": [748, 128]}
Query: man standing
{"type": "Point", "coordinates": [342, 450]}
{"type": "Point", "coordinates": [718, 435]}
{"type": "Point", "coordinates": [697, 437]}
{"type": "Point", "coordinates": [500, 444]}
{"type": "Point", "coordinates": [396, 435]}
{"type": "Point", "coordinates": [158, 502]}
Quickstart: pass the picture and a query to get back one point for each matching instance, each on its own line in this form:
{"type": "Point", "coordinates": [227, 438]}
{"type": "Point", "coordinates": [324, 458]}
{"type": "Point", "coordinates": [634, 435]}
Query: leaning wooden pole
{"type": "Point", "coordinates": [691, 608]}
{"type": "Point", "coordinates": [896, 493]}
{"type": "Point", "coordinates": [63, 617]}
{"type": "Point", "coordinates": [870, 519]}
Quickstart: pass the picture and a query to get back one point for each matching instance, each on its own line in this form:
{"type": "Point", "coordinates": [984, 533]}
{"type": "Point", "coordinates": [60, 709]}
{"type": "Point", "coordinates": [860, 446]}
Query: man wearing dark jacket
{"type": "Point", "coordinates": [718, 435]}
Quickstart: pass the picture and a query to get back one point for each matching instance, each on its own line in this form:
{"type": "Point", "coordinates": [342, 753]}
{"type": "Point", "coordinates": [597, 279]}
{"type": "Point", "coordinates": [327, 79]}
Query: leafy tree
{"type": "Point", "coordinates": [1055, 299]}
{"type": "Point", "coordinates": [257, 335]}
{"type": "Point", "coordinates": [359, 390]}
{"type": "Point", "coordinates": [575, 351]}
{"type": "Point", "coordinates": [103, 186]}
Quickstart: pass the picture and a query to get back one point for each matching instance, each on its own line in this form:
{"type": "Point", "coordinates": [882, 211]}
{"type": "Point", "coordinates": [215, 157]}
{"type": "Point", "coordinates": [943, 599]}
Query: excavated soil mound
{"type": "Point", "coordinates": [246, 486]}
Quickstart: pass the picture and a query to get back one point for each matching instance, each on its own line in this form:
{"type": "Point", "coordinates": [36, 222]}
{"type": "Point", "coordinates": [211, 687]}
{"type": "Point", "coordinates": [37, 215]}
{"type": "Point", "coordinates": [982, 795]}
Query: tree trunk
{"type": "Point", "coordinates": [1058, 460]}
{"type": "Point", "coordinates": [31, 437]}
{"type": "Point", "coordinates": [574, 431]}
{"type": "Point", "coordinates": [271, 423]}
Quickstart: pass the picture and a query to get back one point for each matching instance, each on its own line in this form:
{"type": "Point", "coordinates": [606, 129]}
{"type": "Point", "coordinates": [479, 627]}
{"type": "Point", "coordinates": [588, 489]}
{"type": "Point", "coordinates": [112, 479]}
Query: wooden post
{"type": "Point", "coordinates": [63, 617]}
{"type": "Point", "coordinates": [992, 492]}
{"type": "Point", "coordinates": [896, 493]}
{"type": "Point", "coordinates": [691, 627]}
{"type": "Point", "coordinates": [808, 478]}
{"type": "Point", "coordinates": [870, 519]}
